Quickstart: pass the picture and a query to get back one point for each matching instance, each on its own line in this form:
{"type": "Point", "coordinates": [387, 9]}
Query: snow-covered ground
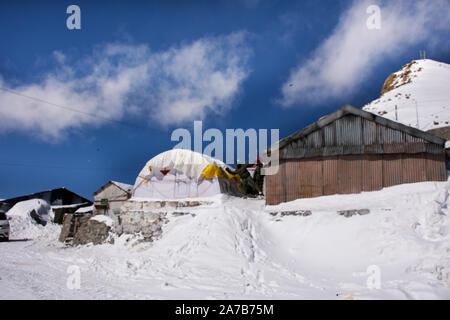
{"type": "Point", "coordinates": [420, 90]}
{"type": "Point", "coordinates": [235, 249]}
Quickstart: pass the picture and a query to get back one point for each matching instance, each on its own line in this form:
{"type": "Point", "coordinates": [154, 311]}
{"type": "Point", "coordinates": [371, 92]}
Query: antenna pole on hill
{"type": "Point", "coordinates": [396, 113]}
{"type": "Point", "coordinates": [422, 54]}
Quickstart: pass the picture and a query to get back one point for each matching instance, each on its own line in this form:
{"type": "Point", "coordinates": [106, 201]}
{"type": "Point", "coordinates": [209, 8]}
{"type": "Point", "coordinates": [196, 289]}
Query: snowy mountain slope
{"type": "Point", "coordinates": [421, 92]}
{"type": "Point", "coordinates": [236, 249]}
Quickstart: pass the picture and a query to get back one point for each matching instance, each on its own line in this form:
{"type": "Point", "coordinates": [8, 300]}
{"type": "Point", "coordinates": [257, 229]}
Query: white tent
{"type": "Point", "coordinates": [179, 173]}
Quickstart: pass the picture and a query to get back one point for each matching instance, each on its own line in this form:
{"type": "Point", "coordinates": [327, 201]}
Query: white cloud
{"type": "Point", "coordinates": [349, 55]}
{"type": "Point", "coordinates": [181, 84]}
{"type": "Point", "coordinates": [59, 56]}
{"type": "Point", "coordinates": [197, 79]}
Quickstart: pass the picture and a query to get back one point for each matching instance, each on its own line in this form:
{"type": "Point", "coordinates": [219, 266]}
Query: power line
{"type": "Point", "coordinates": [72, 109]}
{"type": "Point", "coordinates": [447, 100]}
{"type": "Point", "coordinates": [10, 164]}
{"type": "Point", "coordinates": [430, 100]}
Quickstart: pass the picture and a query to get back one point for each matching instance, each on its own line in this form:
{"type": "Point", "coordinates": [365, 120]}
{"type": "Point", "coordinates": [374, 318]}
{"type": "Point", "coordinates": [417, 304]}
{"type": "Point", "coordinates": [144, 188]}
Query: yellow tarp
{"type": "Point", "coordinates": [234, 177]}
{"type": "Point", "coordinates": [212, 170]}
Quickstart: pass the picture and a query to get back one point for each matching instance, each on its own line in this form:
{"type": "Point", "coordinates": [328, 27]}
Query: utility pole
{"type": "Point", "coordinates": [417, 113]}
{"type": "Point", "coordinates": [396, 113]}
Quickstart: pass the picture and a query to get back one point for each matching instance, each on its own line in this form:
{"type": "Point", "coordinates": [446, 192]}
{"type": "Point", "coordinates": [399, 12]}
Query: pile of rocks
{"type": "Point", "coordinates": [303, 213]}
{"type": "Point", "coordinates": [349, 213]}
{"type": "Point", "coordinates": [81, 229]}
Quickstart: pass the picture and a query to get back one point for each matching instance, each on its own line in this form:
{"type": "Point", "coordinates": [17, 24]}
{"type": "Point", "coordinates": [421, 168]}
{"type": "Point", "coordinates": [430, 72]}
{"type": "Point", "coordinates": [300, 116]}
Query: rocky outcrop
{"type": "Point", "coordinates": [398, 79]}
{"type": "Point", "coordinates": [417, 95]}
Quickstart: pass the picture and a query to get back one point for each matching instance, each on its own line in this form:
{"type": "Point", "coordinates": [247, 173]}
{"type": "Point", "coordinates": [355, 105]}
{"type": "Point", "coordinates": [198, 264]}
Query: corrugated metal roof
{"type": "Point", "coordinates": [345, 126]}
{"type": "Point", "coordinates": [350, 130]}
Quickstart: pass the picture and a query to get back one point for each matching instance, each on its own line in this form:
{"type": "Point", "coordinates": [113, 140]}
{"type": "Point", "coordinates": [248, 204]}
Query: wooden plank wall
{"type": "Point", "coordinates": [313, 177]}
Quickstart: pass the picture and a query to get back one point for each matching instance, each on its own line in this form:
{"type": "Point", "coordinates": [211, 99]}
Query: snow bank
{"type": "Point", "coordinates": [24, 209]}
{"type": "Point", "coordinates": [240, 249]}
{"type": "Point", "coordinates": [124, 186]}
{"type": "Point", "coordinates": [236, 248]}
{"type": "Point", "coordinates": [31, 219]}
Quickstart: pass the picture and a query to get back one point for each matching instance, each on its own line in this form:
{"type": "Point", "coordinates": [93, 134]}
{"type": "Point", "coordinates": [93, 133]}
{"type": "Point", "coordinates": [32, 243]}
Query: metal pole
{"type": "Point", "coordinates": [417, 113]}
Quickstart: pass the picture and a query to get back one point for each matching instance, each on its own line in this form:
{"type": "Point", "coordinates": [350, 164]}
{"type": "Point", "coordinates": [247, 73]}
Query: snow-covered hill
{"type": "Point", "coordinates": [237, 249]}
{"type": "Point", "coordinates": [421, 92]}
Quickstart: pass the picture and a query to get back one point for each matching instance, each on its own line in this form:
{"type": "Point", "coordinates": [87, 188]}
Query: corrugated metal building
{"type": "Point", "coordinates": [350, 151]}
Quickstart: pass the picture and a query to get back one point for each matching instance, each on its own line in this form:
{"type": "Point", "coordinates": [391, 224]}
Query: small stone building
{"type": "Point", "coordinates": [350, 151]}
{"type": "Point", "coordinates": [110, 197]}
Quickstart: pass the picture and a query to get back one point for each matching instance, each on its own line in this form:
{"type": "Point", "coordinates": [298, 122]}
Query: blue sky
{"type": "Point", "coordinates": [154, 66]}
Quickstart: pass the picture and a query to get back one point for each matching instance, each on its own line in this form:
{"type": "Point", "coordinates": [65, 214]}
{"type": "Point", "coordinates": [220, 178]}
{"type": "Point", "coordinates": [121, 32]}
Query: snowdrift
{"type": "Point", "coordinates": [31, 219]}
{"type": "Point", "coordinates": [238, 248]}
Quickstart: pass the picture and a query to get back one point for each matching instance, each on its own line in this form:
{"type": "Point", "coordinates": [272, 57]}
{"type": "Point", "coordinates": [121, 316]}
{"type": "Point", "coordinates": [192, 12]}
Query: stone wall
{"type": "Point", "coordinates": [145, 218]}
{"type": "Point", "coordinates": [92, 231]}
{"type": "Point", "coordinates": [148, 217]}
{"type": "Point", "coordinates": [142, 217]}
{"type": "Point", "coordinates": [81, 229]}
{"type": "Point", "coordinates": [148, 224]}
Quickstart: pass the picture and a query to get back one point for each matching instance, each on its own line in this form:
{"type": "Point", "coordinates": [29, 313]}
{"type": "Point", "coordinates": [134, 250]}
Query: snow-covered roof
{"type": "Point", "coordinates": [189, 162]}
{"type": "Point", "coordinates": [104, 219]}
{"type": "Point", "coordinates": [124, 186]}
{"type": "Point", "coordinates": [85, 209]}
{"type": "Point", "coordinates": [24, 208]}
{"type": "Point", "coordinates": [44, 194]}
{"type": "Point", "coordinates": [70, 205]}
